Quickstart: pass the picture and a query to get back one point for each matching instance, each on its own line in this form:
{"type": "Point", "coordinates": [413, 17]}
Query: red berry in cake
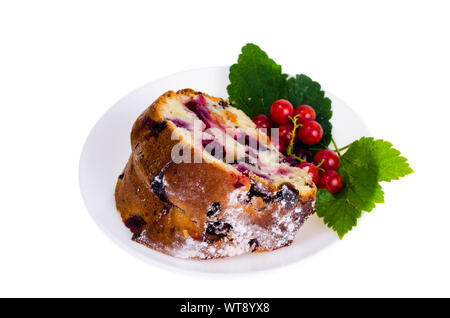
{"type": "Point", "coordinates": [262, 121]}
{"type": "Point", "coordinates": [310, 132]}
{"type": "Point", "coordinates": [330, 180]}
{"type": "Point", "coordinates": [155, 127]}
{"type": "Point", "coordinates": [329, 158]}
{"type": "Point", "coordinates": [305, 113]}
{"type": "Point", "coordinates": [135, 223]}
{"type": "Point", "coordinates": [312, 170]}
{"type": "Point", "coordinates": [280, 111]}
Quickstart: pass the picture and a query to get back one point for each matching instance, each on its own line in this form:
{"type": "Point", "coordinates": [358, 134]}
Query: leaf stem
{"type": "Point", "coordinates": [336, 149]}
{"type": "Point", "coordinates": [343, 148]}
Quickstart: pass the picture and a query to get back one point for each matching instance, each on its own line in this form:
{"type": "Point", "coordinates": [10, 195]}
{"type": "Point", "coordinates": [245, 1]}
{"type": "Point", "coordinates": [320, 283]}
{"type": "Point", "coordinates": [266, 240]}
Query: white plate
{"type": "Point", "coordinates": [107, 149]}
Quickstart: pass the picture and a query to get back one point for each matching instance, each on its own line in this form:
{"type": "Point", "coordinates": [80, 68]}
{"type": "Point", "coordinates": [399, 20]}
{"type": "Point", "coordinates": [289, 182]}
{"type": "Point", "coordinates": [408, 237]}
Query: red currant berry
{"type": "Point", "coordinates": [310, 132]}
{"type": "Point", "coordinates": [312, 170]}
{"type": "Point", "coordinates": [262, 121]}
{"type": "Point", "coordinates": [285, 130]}
{"type": "Point", "coordinates": [305, 113]}
{"type": "Point", "coordinates": [330, 180]}
{"type": "Point", "coordinates": [330, 160]}
{"type": "Point", "coordinates": [284, 137]}
{"type": "Point", "coordinates": [280, 111]}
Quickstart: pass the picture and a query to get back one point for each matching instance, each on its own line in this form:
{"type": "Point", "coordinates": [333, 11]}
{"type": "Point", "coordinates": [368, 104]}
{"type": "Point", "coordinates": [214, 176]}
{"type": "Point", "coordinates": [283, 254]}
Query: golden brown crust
{"type": "Point", "coordinates": [161, 102]}
{"type": "Point", "coordinates": [178, 220]}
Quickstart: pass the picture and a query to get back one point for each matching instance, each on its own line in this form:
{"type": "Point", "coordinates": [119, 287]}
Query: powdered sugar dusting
{"type": "Point", "coordinates": [281, 232]}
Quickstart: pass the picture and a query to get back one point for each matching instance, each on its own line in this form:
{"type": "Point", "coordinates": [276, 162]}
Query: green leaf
{"type": "Point", "coordinates": [256, 81]}
{"type": "Point", "coordinates": [303, 90]}
{"type": "Point", "coordinates": [392, 166]}
{"type": "Point", "coordinates": [366, 163]}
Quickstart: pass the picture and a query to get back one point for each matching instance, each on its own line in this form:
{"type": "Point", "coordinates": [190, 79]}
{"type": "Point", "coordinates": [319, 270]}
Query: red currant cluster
{"type": "Point", "coordinates": [310, 131]}
{"type": "Point", "coordinates": [299, 124]}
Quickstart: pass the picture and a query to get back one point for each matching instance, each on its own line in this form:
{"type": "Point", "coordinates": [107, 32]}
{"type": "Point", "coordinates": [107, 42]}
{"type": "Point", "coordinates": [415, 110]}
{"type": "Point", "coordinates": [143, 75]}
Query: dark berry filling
{"type": "Point", "coordinates": [121, 176]}
{"type": "Point", "coordinates": [135, 224]}
{"type": "Point", "coordinates": [181, 123]}
{"type": "Point", "coordinates": [218, 228]}
{"type": "Point", "coordinates": [245, 171]}
{"type": "Point", "coordinates": [155, 127]}
{"type": "Point", "coordinates": [215, 207]}
{"type": "Point", "coordinates": [199, 108]}
{"type": "Point", "coordinates": [254, 244]}
{"type": "Point", "coordinates": [258, 190]}
{"type": "Point", "coordinates": [283, 171]}
{"type": "Point", "coordinates": [157, 186]}
{"type": "Point", "coordinates": [288, 194]}
{"type": "Point", "coordinates": [238, 185]}
{"type": "Point", "coordinates": [165, 209]}
{"type": "Point", "coordinates": [216, 231]}
{"type": "Point", "coordinates": [206, 142]}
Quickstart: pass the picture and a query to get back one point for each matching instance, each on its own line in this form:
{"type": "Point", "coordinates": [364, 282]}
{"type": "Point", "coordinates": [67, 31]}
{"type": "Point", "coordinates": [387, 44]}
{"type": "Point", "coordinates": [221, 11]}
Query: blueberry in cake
{"type": "Point", "coordinates": [202, 182]}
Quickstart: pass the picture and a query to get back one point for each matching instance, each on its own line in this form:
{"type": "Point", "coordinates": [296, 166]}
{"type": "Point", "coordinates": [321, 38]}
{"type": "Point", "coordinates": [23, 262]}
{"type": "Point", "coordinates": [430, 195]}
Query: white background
{"type": "Point", "coordinates": [64, 63]}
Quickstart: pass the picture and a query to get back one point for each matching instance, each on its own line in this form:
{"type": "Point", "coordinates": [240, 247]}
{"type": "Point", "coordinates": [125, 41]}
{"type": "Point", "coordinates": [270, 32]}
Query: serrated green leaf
{"type": "Point", "coordinates": [363, 166]}
{"type": "Point", "coordinates": [256, 81]}
{"type": "Point", "coordinates": [392, 165]}
{"type": "Point", "coordinates": [326, 207]}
